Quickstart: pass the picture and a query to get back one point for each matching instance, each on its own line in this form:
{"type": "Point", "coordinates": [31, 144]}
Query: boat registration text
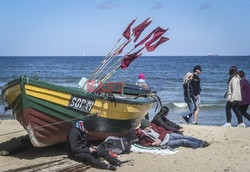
{"type": "Point", "coordinates": [80, 103]}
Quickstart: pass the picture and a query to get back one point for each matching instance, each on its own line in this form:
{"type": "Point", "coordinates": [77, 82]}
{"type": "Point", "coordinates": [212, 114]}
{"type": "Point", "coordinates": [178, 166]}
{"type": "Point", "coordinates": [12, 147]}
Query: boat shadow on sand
{"type": "Point", "coordinates": [22, 148]}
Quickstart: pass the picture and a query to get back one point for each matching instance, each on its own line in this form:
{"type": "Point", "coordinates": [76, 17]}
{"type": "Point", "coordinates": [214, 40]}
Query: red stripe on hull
{"type": "Point", "coordinates": [45, 130]}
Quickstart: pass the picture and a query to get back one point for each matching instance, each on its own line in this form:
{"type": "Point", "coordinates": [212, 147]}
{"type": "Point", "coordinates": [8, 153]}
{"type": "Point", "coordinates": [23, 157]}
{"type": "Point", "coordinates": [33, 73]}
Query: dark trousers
{"type": "Point", "coordinates": [235, 106]}
{"type": "Point", "coordinates": [243, 110]}
{"type": "Point", "coordinates": [94, 160]}
{"type": "Point", "coordinates": [176, 140]}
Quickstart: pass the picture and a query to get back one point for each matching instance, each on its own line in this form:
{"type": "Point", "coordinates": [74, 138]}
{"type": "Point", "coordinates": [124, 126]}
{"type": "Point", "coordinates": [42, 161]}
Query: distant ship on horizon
{"type": "Point", "coordinates": [213, 54]}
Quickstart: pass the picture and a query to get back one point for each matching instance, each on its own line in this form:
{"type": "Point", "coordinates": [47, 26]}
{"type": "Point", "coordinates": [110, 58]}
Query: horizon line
{"type": "Point", "coordinates": [120, 56]}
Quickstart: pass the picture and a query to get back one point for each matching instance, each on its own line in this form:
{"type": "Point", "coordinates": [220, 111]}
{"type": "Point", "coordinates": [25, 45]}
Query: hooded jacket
{"type": "Point", "coordinates": [233, 90]}
{"type": "Point", "coordinates": [77, 141]}
{"type": "Point", "coordinates": [245, 91]}
{"type": "Point", "coordinates": [188, 90]}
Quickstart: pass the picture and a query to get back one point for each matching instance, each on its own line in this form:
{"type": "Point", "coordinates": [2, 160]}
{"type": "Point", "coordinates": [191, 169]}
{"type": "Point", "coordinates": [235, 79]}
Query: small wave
{"type": "Point", "coordinates": [208, 105]}
{"type": "Point", "coordinates": [180, 104]}
{"type": "Point", "coordinates": [217, 89]}
{"type": "Point", "coordinates": [184, 105]}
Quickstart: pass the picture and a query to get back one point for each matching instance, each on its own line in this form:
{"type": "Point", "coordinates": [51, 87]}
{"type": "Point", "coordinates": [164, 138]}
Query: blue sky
{"type": "Point", "coordinates": [74, 27]}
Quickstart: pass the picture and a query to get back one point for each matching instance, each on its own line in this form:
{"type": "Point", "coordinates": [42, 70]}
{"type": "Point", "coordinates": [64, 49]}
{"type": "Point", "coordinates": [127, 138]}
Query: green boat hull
{"type": "Point", "coordinates": [46, 110]}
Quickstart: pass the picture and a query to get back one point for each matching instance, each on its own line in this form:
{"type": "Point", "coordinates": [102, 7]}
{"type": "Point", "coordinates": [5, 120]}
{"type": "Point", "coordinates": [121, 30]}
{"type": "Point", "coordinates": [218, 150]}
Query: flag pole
{"type": "Point", "coordinates": [112, 71]}
{"type": "Point", "coordinates": [108, 58]}
{"type": "Point", "coordinates": [112, 56]}
{"type": "Point", "coordinates": [110, 74]}
{"type": "Point", "coordinates": [110, 68]}
{"type": "Point", "coordinates": [149, 49]}
{"type": "Point", "coordinates": [105, 59]}
{"type": "Point", "coordinates": [116, 63]}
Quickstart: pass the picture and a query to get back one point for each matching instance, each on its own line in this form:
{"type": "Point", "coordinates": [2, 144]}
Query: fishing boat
{"type": "Point", "coordinates": [47, 110]}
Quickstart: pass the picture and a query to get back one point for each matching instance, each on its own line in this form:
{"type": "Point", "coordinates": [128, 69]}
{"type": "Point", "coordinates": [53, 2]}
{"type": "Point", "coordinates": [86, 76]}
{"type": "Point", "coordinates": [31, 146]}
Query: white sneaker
{"type": "Point", "coordinates": [242, 125]}
{"type": "Point", "coordinates": [228, 124]}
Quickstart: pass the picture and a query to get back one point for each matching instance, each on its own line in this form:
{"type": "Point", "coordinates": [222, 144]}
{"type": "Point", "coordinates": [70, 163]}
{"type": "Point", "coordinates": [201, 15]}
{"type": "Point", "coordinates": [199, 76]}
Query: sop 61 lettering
{"type": "Point", "coordinates": [73, 101]}
{"type": "Point", "coordinates": [78, 103]}
{"type": "Point", "coordinates": [89, 105]}
{"type": "Point", "coordinates": [83, 102]}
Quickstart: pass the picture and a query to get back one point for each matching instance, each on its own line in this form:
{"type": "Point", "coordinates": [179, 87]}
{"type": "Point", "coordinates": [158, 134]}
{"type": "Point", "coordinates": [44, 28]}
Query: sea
{"type": "Point", "coordinates": [163, 73]}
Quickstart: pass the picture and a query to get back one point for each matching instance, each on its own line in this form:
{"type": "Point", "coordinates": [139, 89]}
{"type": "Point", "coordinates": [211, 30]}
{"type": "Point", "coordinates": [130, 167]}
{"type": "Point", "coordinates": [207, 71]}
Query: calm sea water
{"type": "Point", "coordinates": [162, 73]}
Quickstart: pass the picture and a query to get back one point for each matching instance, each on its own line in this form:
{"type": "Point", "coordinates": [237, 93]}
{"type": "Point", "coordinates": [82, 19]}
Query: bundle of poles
{"type": "Point", "coordinates": [109, 66]}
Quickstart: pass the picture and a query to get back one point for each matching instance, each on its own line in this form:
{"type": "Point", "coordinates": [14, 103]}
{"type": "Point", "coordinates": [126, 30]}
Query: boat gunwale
{"type": "Point", "coordinates": [11, 84]}
{"type": "Point", "coordinates": [74, 91]}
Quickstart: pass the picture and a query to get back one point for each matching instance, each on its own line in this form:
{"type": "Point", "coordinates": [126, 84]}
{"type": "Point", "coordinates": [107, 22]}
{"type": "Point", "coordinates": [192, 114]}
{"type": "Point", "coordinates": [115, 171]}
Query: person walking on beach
{"type": "Point", "coordinates": [79, 149]}
{"type": "Point", "coordinates": [188, 97]}
{"type": "Point", "coordinates": [245, 94]}
{"type": "Point", "coordinates": [161, 120]}
{"type": "Point", "coordinates": [195, 82]}
{"type": "Point", "coordinates": [233, 96]}
{"type": "Point", "coordinates": [150, 134]}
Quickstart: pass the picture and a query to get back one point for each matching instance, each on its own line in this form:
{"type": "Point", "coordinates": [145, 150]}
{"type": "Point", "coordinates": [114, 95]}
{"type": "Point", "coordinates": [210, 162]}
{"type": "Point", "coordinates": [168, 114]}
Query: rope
{"type": "Point", "coordinates": [111, 96]}
{"type": "Point", "coordinates": [39, 126]}
{"type": "Point", "coordinates": [141, 95]}
{"type": "Point", "coordinates": [158, 100]}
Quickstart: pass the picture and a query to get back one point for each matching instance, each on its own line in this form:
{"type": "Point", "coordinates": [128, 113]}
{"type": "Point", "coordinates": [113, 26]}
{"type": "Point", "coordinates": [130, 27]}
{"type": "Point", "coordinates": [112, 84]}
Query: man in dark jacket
{"type": "Point", "coordinates": [161, 120]}
{"type": "Point", "coordinates": [79, 149]}
{"type": "Point", "coordinates": [197, 90]}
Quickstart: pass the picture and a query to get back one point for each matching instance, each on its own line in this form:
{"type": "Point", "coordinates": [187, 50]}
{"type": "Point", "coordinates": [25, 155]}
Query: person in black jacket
{"type": "Point", "coordinates": [79, 149]}
{"type": "Point", "coordinates": [195, 82]}
{"type": "Point", "coordinates": [161, 120]}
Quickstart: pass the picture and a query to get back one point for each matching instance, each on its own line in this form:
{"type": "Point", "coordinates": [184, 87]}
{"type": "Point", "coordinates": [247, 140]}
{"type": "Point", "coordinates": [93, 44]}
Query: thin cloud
{"type": "Point", "coordinates": [157, 5]}
{"type": "Point", "coordinates": [107, 5]}
{"type": "Point", "coordinates": [205, 6]}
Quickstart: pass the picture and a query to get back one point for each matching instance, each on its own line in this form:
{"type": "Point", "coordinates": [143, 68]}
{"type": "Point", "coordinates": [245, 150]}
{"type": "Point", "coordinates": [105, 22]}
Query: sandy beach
{"type": "Point", "coordinates": [229, 151]}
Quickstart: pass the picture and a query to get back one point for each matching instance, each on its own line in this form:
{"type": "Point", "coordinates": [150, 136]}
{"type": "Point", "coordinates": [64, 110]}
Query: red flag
{"type": "Point", "coordinates": [139, 29]}
{"type": "Point", "coordinates": [121, 49]}
{"type": "Point", "coordinates": [126, 33]}
{"type": "Point", "coordinates": [154, 46]}
{"type": "Point", "coordinates": [158, 33]}
{"type": "Point", "coordinates": [146, 38]}
{"type": "Point", "coordinates": [129, 58]}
